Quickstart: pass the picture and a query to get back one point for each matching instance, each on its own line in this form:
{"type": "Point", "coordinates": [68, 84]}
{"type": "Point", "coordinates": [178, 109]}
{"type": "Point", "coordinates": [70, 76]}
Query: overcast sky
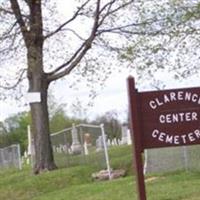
{"type": "Point", "coordinates": [112, 97]}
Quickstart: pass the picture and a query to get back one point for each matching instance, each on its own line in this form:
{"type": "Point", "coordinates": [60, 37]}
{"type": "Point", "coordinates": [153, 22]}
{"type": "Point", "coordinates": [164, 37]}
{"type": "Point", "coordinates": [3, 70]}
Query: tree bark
{"type": "Point", "coordinates": [40, 126]}
{"type": "Point", "coordinates": [39, 111]}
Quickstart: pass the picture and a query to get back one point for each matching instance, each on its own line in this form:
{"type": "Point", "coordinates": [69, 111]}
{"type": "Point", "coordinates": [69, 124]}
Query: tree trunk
{"type": "Point", "coordinates": [40, 124]}
{"type": "Point", "coordinates": [32, 31]}
{"type": "Point", "coordinates": [39, 111]}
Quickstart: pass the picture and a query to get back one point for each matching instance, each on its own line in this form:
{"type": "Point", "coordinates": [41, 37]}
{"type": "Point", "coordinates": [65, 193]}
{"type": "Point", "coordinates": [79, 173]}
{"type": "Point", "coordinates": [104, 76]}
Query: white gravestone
{"type": "Point", "coordinates": [76, 146]}
{"type": "Point", "coordinates": [99, 144]}
{"type": "Point", "coordinates": [129, 141]}
{"type": "Point", "coordinates": [124, 130]}
{"type": "Point", "coordinates": [86, 152]}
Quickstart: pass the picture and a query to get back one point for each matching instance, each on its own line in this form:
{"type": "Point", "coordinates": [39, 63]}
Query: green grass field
{"type": "Point", "coordinates": [75, 183]}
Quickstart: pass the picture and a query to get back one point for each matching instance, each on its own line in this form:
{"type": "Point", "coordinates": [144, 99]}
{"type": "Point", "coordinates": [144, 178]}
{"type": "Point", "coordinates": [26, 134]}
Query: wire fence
{"type": "Point", "coordinates": [172, 159]}
{"type": "Point", "coordinates": [81, 144]}
{"type": "Point", "coordinates": [87, 144]}
{"type": "Point", "coordinates": [10, 157]}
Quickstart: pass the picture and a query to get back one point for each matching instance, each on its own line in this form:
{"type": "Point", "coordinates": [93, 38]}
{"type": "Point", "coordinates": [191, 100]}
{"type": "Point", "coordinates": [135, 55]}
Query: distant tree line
{"type": "Point", "coordinates": [14, 129]}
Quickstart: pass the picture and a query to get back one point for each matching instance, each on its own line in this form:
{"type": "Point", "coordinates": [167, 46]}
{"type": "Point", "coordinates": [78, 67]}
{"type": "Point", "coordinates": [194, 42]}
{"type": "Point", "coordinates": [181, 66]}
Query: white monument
{"type": "Point", "coordinates": [124, 130]}
{"type": "Point", "coordinates": [99, 144]}
{"type": "Point", "coordinates": [76, 146]}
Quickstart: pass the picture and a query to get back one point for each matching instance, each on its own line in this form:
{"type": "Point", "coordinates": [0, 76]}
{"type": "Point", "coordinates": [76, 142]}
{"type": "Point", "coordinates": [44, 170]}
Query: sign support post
{"type": "Point", "coordinates": [136, 138]}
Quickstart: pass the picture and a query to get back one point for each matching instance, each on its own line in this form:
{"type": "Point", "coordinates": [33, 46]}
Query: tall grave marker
{"type": "Point", "coordinates": [162, 119]}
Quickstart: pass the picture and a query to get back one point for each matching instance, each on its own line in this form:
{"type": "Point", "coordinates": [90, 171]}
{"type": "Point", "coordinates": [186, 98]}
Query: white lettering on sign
{"type": "Point", "coordinates": [178, 117]}
{"type": "Point", "coordinates": [176, 139]}
{"type": "Point", "coordinates": [184, 138]}
{"type": "Point", "coordinates": [174, 96]}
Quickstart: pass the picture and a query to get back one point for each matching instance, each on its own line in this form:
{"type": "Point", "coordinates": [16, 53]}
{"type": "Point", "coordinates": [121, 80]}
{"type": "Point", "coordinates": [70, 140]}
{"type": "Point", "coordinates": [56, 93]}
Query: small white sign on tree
{"type": "Point", "coordinates": [33, 97]}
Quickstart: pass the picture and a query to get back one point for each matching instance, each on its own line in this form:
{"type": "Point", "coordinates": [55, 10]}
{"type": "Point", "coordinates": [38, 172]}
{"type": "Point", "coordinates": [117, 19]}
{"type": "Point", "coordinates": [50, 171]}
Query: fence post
{"type": "Point", "coordinates": [2, 156]}
{"type": "Point", "coordinates": [145, 161]}
{"type": "Point", "coordinates": [19, 156]}
{"type": "Point", "coordinates": [106, 151]}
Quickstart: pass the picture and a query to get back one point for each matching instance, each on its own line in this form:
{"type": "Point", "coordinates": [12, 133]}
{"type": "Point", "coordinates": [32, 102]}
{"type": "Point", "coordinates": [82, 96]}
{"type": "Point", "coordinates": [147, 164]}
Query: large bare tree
{"type": "Point", "coordinates": [30, 30]}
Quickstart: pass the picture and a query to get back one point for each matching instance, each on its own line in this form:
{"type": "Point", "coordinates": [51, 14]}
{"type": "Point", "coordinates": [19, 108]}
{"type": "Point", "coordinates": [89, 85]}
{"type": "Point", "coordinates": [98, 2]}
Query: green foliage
{"type": "Point", "coordinates": [192, 13]}
{"type": "Point", "coordinates": [164, 41]}
{"type": "Point", "coordinates": [15, 130]}
{"type": "Point", "coordinates": [59, 121]}
{"type": "Point", "coordinates": [111, 123]}
{"type": "Point", "coordinates": [58, 118]}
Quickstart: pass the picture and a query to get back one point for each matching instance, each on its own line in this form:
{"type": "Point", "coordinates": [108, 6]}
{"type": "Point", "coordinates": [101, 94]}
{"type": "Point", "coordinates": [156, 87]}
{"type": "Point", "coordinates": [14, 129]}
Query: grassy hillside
{"type": "Point", "coordinates": [75, 184]}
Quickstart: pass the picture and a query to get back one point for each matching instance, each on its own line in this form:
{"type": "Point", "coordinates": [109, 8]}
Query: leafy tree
{"type": "Point", "coordinates": [15, 131]}
{"type": "Point", "coordinates": [60, 121]}
{"type": "Point", "coordinates": [111, 123]}
{"type": "Point", "coordinates": [30, 30]}
{"type": "Point", "coordinates": [167, 43]}
{"type": "Point", "coordinates": [58, 117]}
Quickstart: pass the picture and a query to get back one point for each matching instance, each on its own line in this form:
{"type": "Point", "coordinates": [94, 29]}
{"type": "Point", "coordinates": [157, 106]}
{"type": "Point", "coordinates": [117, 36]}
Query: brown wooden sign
{"type": "Point", "coordinates": [162, 119]}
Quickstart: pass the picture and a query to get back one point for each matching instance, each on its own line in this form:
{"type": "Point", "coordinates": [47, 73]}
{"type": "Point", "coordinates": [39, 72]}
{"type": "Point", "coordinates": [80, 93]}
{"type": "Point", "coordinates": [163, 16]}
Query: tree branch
{"type": "Point", "coordinates": [17, 12]}
{"type": "Point", "coordinates": [76, 14]}
{"type": "Point", "coordinates": [8, 32]}
{"type": "Point", "coordinates": [6, 11]}
{"type": "Point", "coordinates": [125, 28]}
{"type": "Point", "coordinates": [19, 80]}
{"type": "Point", "coordinates": [61, 71]}
{"type": "Point", "coordinates": [72, 31]}
{"type": "Point", "coordinates": [28, 2]}
{"type": "Point", "coordinates": [109, 12]}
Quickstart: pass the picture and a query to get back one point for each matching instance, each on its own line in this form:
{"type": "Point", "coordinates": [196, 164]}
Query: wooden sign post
{"type": "Point", "coordinates": [161, 119]}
